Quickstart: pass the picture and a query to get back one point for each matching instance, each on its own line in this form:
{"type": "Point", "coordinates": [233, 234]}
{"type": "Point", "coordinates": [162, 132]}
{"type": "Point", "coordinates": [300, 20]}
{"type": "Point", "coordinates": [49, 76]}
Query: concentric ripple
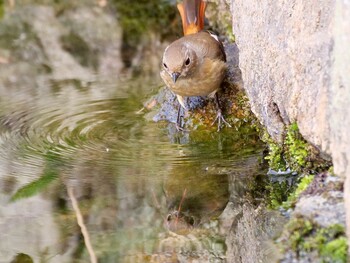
{"type": "Point", "coordinates": [105, 131]}
{"type": "Point", "coordinates": [94, 125]}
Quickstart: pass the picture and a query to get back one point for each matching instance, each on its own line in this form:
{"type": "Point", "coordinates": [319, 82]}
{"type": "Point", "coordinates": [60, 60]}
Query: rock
{"type": "Point", "coordinates": [47, 48]}
{"type": "Point", "coordinates": [285, 58]}
{"type": "Point", "coordinates": [295, 68]}
{"type": "Point", "coordinates": [101, 33]}
{"type": "Point", "coordinates": [323, 211]}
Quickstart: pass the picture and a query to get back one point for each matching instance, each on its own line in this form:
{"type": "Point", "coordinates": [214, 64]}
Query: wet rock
{"type": "Point", "coordinates": [295, 62]}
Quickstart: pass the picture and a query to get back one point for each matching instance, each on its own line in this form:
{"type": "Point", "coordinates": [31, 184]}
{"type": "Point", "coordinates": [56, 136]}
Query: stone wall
{"type": "Point", "coordinates": [296, 68]}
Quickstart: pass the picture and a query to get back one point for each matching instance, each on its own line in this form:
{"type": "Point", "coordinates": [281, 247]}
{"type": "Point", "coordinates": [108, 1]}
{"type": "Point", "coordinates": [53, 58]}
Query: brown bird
{"type": "Point", "coordinates": [194, 65]}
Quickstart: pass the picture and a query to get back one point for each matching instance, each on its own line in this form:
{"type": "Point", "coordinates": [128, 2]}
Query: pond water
{"type": "Point", "coordinates": [127, 175]}
{"type": "Point", "coordinates": [84, 175]}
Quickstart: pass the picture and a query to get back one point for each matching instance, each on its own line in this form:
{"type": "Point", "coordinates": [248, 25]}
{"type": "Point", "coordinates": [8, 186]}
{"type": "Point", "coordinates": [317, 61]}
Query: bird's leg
{"type": "Point", "coordinates": [219, 118]}
{"type": "Point", "coordinates": [179, 123]}
{"type": "Point", "coordinates": [179, 119]}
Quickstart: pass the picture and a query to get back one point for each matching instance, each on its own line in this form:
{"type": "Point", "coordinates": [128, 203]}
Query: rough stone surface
{"type": "Point", "coordinates": [295, 68]}
{"type": "Point", "coordinates": [285, 57]}
{"type": "Point", "coordinates": [324, 211]}
{"type": "Point", "coordinates": [32, 36]}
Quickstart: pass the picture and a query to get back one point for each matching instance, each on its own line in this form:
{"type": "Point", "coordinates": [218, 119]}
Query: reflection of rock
{"type": "Point", "coordinates": [247, 224]}
{"type": "Point", "coordinates": [254, 228]}
{"type": "Point", "coordinates": [29, 227]}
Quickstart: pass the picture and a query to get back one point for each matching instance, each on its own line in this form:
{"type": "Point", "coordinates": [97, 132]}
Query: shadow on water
{"type": "Point", "coordinates": [133, 182]}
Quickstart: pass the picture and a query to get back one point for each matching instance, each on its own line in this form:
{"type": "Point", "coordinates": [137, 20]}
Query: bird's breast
{"type": "Point", "coordinates": [205, 80]}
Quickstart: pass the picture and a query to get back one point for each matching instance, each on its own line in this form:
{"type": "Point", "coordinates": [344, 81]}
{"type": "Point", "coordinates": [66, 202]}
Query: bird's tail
{"type": "Point", "coordinates": [192, 14]}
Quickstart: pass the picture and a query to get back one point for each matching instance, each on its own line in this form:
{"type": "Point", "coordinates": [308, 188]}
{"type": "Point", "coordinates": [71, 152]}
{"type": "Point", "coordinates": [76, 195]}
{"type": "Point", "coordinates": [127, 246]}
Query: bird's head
{"type": "Point", "coordinates": [179, 60]}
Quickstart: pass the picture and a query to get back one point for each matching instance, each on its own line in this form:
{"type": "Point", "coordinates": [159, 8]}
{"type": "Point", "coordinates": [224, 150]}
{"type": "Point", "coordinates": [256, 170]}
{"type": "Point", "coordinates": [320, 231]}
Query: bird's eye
{"type": "Point", "coordinates": [165, 65]}
{"type": "Point", "coordinates": [187, 62]}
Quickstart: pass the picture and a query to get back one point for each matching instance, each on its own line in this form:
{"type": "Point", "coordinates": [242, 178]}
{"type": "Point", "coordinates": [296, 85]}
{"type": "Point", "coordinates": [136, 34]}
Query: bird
{"type": "Point", "coordinates": [195, 64]}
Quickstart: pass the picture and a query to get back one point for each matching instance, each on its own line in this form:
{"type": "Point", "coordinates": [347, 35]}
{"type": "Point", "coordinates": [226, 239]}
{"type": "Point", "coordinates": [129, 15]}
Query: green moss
{"type": "Point", "coordinates": [278, 192]}
{"type": "Point", "coordinates": [296, 148]}
{"type": "Point", "coordinates": [298, 229]}
{"type": "Point", "coordinates": [286, 193]}
{"type": "Point", "coordinates": [237, 114]}
{"type": "Point", "coordinates": [275, 157]}
{"type": "Point", "coordinates": [329, 244]}
{"type": "Point", "coordinates": [275, 151]}
{"type": "Point", "coordinates": [138, 18]}
{"type": "Point", "coordinates": [331, 170]}
{"type": "Point", "coordinates": [335, 250]}
{"type": "Point", "coordinates": [293, 153]}
{"type": "Point", "coordinates": [292, 198]}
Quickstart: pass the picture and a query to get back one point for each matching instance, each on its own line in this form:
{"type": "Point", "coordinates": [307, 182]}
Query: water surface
{"type": "Point", "coordinates": [72, 133]}
{"type": "Point", "coordinates": [126, 174]}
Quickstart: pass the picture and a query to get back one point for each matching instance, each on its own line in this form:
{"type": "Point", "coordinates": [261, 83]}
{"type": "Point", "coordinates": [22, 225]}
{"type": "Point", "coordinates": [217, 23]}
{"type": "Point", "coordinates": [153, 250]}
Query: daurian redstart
{"type": "Point", "coordinates": [194, 65]}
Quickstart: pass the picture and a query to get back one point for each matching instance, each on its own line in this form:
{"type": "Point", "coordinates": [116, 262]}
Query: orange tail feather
{"type": "Point", "coordinates": [192, 15]}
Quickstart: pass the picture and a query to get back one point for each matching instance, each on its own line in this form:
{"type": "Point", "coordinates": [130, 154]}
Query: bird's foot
{"type": "Point", "coordinates": [221, 120]}
{"type": "Point", "coordinates": [179, 125]}
{"type": "Point", "coordinates": [180, 128]}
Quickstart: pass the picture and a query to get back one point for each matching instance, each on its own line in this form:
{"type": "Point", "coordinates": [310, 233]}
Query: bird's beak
{"type": "Point", "coordinates": [175, 76]}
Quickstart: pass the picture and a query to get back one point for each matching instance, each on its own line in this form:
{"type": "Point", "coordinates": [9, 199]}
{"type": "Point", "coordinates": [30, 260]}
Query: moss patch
{"type": "Point", "coordinates": [293, 197]}
{"type": "Point", "coordinates": [303, 236]}
{"type": "Point", "coordinates": [236, 112]}
{"type": "Point", "coordinates": [296, 148]}
{"type": "Point", "coordinates": [293, 153]}
{"type": "Point", "coordinates": [275, 153]}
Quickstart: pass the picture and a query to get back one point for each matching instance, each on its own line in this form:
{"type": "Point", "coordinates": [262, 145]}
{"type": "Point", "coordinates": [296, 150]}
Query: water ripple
{"type": "Point", "coordinates": [88, 129]}
{"type": "Point", "coordinates": [90, 125]}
